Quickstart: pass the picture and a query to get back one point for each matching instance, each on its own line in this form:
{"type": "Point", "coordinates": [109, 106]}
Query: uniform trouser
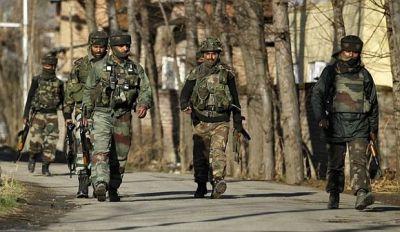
{"type": "Point", "coordinates": [111, 142]}
{"type": "Point", "coordinates": [209, 140]}
{"type": "Point", "coordinates": [358, 155]}
{"type": "Point", "coordinates": [44, 136]}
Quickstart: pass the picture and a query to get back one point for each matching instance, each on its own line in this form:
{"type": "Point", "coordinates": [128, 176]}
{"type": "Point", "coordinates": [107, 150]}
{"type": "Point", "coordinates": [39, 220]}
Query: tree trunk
{"type": "Point", "coordinates": [338, 23]}
{"type": "Point", "coordinates": [90, 6]}
{"type": "Point", "coordinates": [394, 42]}
{"type": "Point", "coordinates": [153, 76]}
{"type": "Point", "coordinates": [137, 135]}
{"type": "Point", "coordinates": [290, 119]}
{"type": "Point", "coordinates": [112, 16]}
{"type": "Point", "coordinates": [223, 30]}
{"type": "Point", "coordinates": [259, 102]}
{"type": "Point", "coordinates": [185, 125]}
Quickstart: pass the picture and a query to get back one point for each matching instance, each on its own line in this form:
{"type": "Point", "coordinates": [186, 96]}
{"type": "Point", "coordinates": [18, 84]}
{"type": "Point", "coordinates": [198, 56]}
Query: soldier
{"type": "Point", "coordinates": [45, 96]}
{"type": "Point", "coordinates": [345, 105]}
{"type": "Point", "coordinates": [208, 96]}
{"type": "Point", "coordinates": [115, 86]}
{"type": "Point", "coordinates": [97, 49]}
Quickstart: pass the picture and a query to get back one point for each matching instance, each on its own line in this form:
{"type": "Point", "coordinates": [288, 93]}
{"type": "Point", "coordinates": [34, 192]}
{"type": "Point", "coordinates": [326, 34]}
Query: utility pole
{"type": "Point", "coordinates": [24, 47]}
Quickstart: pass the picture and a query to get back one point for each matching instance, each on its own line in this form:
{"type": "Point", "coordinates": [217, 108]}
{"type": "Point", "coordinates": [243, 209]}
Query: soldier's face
{"type": "Point", "coordinates": [98, 51]}
{"type": "Point", "coordinates": [350, 54]}
{"type": "Point", "coordinates": [210, 56]}
{"type": "Point", "coordinates": [123, 49]}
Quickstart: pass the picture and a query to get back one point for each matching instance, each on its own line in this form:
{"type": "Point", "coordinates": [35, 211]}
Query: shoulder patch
{"type": "Point", "coordinates": [78, 61]}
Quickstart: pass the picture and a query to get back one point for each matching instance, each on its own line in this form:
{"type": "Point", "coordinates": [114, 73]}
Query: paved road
{"type": "Point", "coordinates": [163, 202]}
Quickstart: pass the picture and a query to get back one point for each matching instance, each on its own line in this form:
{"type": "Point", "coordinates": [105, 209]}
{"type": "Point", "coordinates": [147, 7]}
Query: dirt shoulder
{"type": "Point", "coordinates": [39, 207]}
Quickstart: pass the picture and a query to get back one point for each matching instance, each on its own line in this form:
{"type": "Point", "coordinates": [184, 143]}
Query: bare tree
{"type": "Point", "coordinates": [290, 118]}
{"type": "Point", "coordinates": [135, 48]}
{"type": "Point", "coordinates": [338, 23]}
{"type": "Point", "coordinates": [153, 76]}
{"type": "Point", "coordinates": [90, 6]}
{"type": "Point", "coordinates": [220, 16]}
{"type": "Point", "coordinates": [112, 16]}
{"type": "Point", "coordinates": [394, 43]}
{"type": "Point", "coordinates": [249, 17]}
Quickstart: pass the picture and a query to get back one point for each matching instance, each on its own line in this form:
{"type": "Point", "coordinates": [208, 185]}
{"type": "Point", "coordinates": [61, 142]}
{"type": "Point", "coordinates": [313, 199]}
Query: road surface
{"type": "Point", "coordinates": [164, 202]}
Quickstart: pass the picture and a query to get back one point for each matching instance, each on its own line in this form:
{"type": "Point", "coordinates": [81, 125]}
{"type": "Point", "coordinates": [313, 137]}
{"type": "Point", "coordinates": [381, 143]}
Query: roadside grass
{"type": "Point", "coordinates": [10, 193]}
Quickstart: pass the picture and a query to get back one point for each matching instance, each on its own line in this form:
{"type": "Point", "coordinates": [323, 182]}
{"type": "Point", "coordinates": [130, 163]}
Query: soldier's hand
{"type": "Point", "coordinates": [188, 110]}
{"type": "Point", "coordinates": [324, 123]}
{"type": "Point", "coordinates": [68, 121]}
{"type": "Point", "coordinates": [141, 112]}
{"type": "Point", "coordinates": [84, 122]}
{"type": "Point", "coordinates": [25, 120]}
{"type": "Point", "coordinates": [373, 136]}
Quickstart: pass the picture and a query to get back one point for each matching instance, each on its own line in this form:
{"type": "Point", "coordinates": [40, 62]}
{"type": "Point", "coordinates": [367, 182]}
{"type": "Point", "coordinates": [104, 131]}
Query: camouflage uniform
{"type": "Point", "coordinates": [345, 103]}
{"type": "Point", "coordinates": [114, 87]}
{"type": "Point", "coordinates": [44, 98]}
{"type": "Point", "coordinates": [73, 101]}
{"type": "Point", "coordinates": [210, 91]}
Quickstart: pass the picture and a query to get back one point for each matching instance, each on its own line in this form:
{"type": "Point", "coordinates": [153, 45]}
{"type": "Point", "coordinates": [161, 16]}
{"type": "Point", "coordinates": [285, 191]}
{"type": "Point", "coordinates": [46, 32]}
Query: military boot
{"type": "Point", "coordinates": [201, 190]}
{"type": "Point", "coordinates": [45, 169]}
{"type": "Point", "coordinates": [31, 164]}
{"type": "Point", "coordinates": [100, 191]}
{"type": "Point", "coordinates": [364, 199]}
{"type": "Point", "coordinates": [219, 188]}
{"type": "Point", "coordinates": [113, 195]}
{"type": "Point", "coordinates": [83, 190]}
{"type": "Point", "coordinates": [334, 199]}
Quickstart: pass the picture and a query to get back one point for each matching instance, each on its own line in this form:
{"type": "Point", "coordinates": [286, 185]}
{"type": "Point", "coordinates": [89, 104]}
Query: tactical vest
{"type": "Point", "coordinates": [77, 82]}
{"type": "Point", "coordinates": [349, 94]}
{"type": "Point", "coordinates": [48, 94]}
{"type": "Point", "coordinates": [119, 87]}
{"type": "Point", "coordinates": [211, 96]}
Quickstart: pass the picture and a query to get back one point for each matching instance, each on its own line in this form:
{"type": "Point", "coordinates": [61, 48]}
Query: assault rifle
{"type": "Point", "coordinates": [237, 137]}
{"type": "Point", "coordinates": [23, 134]}
{"type": "Point", "coordinates": [374, 164]}
{"type": "Point", "coordinates": [71, 154]}
{"type": "Point", "coordinates": [84, 140]}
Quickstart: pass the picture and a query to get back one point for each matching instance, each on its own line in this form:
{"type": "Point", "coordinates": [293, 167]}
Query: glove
{"type": "Point", "coordinates": [323, 123]}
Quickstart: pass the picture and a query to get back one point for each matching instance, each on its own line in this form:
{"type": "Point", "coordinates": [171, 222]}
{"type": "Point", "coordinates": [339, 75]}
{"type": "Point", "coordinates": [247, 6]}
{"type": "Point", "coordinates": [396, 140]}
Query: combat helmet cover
{"type": "Point", "coordinates": [211, 45]}
{"type": "Point", "coordinates": [120, 38]}
{"type": "Point", "coordinates": [98, 37]}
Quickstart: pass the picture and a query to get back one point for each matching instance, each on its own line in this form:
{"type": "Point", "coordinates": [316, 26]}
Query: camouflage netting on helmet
{"type": "Point", "coordinates": [98, 38]}
{"type": "Point", "coordinates": [211, 45]}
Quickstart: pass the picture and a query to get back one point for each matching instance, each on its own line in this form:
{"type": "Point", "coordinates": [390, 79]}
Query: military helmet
{"type": "Point", "coordinates": [120, 38]}
{"type": "Point", "coordinates": [351, 43]}
{"type": "Point", "coordinates": [98, 38]}
{"type": "Point", "coordinates": [49, 59]}
{"type": "Point", "coordinates": [211, 45]}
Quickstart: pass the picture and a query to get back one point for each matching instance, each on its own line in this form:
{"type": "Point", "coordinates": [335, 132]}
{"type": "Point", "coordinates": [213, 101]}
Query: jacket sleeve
{"type": "Point", "coordinates": [88, 91]}
{"type": "Point", "coordinates": [237, 116]}
{"type": "Point", "coordinates": [187, 90]}
{"type": "Point", "coordinates": [319, 94]}
{"type": "Point", "coordinates": [69, 101]}
{"type": "Point", "coordinates": [373, 115]}
{"type": "Point", "coordinates": [145, 98]}
{"type": "Point", "coordinates": [31, 94]}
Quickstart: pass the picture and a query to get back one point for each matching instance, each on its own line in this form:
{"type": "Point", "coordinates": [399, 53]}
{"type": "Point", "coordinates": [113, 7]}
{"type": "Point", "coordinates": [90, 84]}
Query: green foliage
{"type": "Point", "coordinates": [10, 192]}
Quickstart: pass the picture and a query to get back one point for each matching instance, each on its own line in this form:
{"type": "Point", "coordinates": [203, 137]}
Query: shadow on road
{"type": "Point", "coordinates": [383, 209]}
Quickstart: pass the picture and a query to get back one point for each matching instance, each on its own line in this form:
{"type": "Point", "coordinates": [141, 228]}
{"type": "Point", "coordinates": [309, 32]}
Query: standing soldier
{"type": "Point", "coordinates": [45, 96]}
{"type": "Point", "coordinates": [97, 49]}
{"type": "Point", "coordinates": [345, 105]}
{"type": "Point", "coordinates": [115, 86]}
{"type": "Point", "coordinates": [209, 95]}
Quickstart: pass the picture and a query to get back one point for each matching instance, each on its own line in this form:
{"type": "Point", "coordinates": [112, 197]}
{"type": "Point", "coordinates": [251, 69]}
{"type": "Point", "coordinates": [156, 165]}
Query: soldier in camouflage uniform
{"type": "Point", "coordinates": [115, 86]}
{"type": "Point", "coordinates": [98, 41]}
{"type": "Point", "coordinates": [45, 96]}
{"type": "Point", "coordinates": [208, 95]}
{"type": "Point", "coordinates": [345, 105]}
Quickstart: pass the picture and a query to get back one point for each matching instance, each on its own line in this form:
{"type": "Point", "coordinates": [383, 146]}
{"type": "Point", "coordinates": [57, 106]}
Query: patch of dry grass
{"type": "Point", "coordinates": [10, 192]}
